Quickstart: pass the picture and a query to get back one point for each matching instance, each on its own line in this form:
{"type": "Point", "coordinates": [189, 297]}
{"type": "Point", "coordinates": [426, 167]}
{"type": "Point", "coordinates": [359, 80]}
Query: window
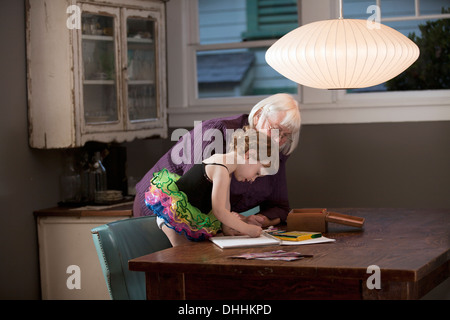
{"type": "Point", "coordinates": [266, 21]}
{"type": "Point", "coordinates": [198, 42]}
{"type": "Point", "coordinates": [427, 23]}
{"type": "Point", "coordinates": [233, 38]}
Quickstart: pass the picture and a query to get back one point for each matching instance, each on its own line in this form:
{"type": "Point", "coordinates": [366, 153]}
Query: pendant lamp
{"type": "Point", "coordinates": [342, 54]}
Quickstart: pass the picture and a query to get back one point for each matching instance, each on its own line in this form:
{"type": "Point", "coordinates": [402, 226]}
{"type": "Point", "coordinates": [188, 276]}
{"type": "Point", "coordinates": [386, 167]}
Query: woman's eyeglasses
{"type": "Point", "coordinates": [282, 133]}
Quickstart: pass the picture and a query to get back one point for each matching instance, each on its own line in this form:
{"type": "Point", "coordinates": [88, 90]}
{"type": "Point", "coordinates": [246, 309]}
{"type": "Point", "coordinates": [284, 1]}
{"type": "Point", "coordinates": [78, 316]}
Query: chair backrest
{"type": "Point", "coordinates": [119, 241]}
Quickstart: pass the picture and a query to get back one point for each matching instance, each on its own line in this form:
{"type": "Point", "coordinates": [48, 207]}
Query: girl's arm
{"type": "Point", "coordinates": [221, 203]}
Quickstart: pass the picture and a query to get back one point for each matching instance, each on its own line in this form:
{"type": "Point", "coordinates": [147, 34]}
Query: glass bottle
{"type": "Point", "coordinates": [87, 182]}
{"type": "Point", "coordinates": [70, 182]}
{"type": "Point", "coordinates": [98, 173]}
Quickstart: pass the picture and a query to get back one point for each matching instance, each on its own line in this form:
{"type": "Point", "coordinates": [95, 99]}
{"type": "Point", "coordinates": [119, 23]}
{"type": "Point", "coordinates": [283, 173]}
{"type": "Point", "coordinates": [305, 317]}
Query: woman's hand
{"type": "Point", "coordinates": [260, 220]}
{"type": "Point", "coordinates": [255, 219]}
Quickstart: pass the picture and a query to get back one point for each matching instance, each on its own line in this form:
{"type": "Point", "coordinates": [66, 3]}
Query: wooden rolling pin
{"type": "Point", "coordinates": [317, 220]}
{"type": "Point", "coordinates": [344, 219]}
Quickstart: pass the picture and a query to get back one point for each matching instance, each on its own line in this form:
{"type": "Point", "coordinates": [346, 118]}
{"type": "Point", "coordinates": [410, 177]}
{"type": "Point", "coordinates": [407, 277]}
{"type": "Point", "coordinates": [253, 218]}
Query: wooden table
{"type": "Point", "coordinates": [411, 248]}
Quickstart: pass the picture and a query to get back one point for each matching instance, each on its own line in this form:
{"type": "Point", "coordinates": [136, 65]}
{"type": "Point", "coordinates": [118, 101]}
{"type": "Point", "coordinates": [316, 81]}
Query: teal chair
{"type": "Point", "coordinates": [119, 241]}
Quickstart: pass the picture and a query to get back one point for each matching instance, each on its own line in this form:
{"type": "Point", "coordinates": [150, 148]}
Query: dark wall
{"type": "Point", "coordinates": [372, 165]}
{"type": "Point", "coordinates": [28, 178]}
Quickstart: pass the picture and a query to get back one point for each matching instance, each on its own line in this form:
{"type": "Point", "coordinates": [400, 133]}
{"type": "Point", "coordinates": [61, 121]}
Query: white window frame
{"type": "Point", "coordinates": [317, 106]}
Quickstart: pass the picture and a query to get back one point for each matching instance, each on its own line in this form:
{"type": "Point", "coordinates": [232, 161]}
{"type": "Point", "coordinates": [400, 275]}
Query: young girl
{"type": "Point", "coordinates": [194, 207]}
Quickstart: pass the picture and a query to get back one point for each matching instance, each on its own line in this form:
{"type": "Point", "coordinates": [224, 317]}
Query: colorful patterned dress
{"type": "Point", "coordinates": [184, 203]}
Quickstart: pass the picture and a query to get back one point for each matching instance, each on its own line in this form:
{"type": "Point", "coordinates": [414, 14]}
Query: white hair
{"type": "Point", "coordinates": [292, 120]}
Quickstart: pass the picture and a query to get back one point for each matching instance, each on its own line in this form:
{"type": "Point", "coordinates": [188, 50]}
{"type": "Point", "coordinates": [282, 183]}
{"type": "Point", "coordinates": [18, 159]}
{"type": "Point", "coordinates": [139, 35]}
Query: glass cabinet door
{"type": "Point", "coordinates": [99, 61]}
{"type": "Point", "coordinates": [141, 67]}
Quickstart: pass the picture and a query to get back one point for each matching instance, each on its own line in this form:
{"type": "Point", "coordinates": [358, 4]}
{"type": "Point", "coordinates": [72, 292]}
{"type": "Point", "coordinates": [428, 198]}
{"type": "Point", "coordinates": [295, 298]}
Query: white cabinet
{"type": "Point", "coordinates": [68, 257]}
{"type": "Point", "coordinates": [96, 71]}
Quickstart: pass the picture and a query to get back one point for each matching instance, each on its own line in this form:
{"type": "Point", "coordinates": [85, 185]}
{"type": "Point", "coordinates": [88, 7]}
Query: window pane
{"type": "Point", "coordinates": [356, 9]}
{"type": "Point", "coordinates": [99, 73]}
{"type": "Point", "coordinates": [236, 20]}
{"type": "Point", "coordinates": [433, 6]}
{"type": "Point", "coordinates": [221, 21]}
{"type": "Point", "coordinates": [397, 8]}
{"type": "Point", "coordinates": [238, 72]}
{"type": "Point", "coordinates": [407, 27]}
{"type": "Point", "coordinates": [141, 69]}
{"type": "Point", "coordinates": [431, 70]}
{"type": "Point", "coordinates": [393, 8]}
{"type": "Point", "coordinates": [242, 72]}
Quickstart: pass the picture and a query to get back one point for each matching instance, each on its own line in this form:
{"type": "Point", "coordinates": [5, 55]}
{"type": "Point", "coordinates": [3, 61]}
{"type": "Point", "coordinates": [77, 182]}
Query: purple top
{"type": "Point", "coordinates": [269, 192]}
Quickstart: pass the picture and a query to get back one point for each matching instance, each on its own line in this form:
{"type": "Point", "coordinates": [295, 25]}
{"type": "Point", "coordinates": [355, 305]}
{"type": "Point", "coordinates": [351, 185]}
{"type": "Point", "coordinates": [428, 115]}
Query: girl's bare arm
{"type": "Point", "coordinates": [220, 203]}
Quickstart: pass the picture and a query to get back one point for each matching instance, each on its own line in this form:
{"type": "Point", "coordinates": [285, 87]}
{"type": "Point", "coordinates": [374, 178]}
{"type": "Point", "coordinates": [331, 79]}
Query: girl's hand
{"type": "Point", "coordinates": [254, 231]}
{"type": "Point", "coordinates": [230, 231]}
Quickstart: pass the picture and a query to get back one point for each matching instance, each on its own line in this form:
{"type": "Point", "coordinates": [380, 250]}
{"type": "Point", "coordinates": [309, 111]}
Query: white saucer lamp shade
{"type": "Point", "coordinates": [342, 54]}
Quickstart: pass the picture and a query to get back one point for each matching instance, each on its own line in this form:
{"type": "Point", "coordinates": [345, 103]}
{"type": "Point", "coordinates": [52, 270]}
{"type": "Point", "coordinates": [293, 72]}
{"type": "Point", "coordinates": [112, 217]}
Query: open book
{"type": "Point", "coordinates": [264, 239]}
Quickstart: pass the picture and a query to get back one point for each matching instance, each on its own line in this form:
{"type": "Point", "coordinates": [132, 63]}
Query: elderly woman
{"type": "Point", "coordinates": [277, 112]}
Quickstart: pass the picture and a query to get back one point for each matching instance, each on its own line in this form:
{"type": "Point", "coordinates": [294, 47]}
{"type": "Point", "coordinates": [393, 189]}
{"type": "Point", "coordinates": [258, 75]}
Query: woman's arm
{"type": "Point", "coordinates": [275, 207]}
